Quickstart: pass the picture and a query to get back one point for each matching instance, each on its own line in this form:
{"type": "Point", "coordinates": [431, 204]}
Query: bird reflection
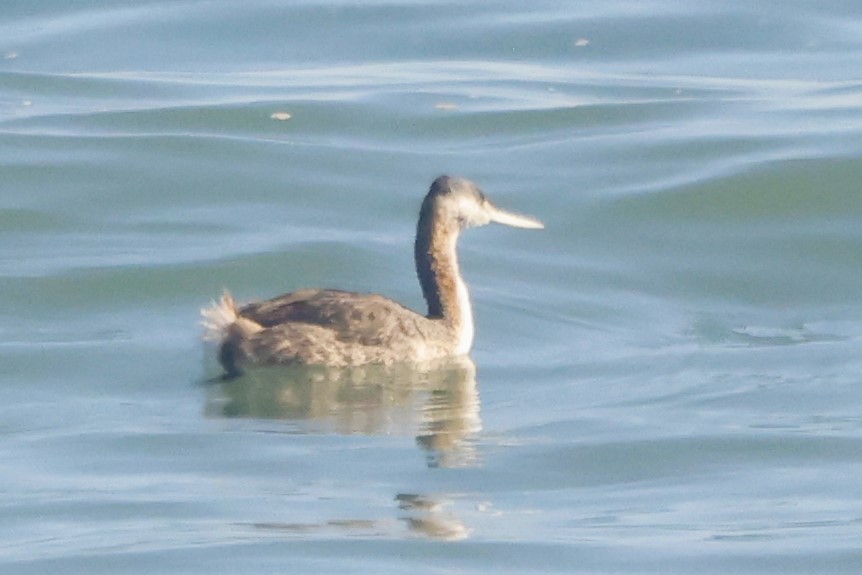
{"type": "Point", "coordinates": [438, 405]}
{"type": "Point", "coordinates": [426, 516]}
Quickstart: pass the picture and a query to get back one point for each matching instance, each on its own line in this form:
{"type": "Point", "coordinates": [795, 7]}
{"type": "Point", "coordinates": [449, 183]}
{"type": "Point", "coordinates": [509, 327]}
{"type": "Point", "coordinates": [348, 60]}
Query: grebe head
{"type": "Point", "coordinates": [460, 201]}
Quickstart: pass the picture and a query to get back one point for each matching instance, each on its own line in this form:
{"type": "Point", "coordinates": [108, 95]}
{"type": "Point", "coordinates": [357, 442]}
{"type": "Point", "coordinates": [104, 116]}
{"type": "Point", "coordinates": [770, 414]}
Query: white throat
{"type": "Point", "coordinates": [466, 329]}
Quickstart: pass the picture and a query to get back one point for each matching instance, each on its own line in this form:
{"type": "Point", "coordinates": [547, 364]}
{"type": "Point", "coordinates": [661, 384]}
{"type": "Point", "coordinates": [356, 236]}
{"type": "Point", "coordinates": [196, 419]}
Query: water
{"type": "Point", "coordinates": [666, 377]}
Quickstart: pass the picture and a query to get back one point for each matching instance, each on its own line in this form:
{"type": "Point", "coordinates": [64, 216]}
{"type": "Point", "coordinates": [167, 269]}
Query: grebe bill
{"type": "Point", "coordinates": [339, 328]}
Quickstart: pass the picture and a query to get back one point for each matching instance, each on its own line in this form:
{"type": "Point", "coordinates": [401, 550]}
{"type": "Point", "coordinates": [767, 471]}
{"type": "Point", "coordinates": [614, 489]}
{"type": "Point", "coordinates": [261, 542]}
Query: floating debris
{"type": "Point", "coordinates": [581, 42]}
{"type": "Point", "coordinates": [281, 116]}
{"type": "Point", "coordinates": [446, 106]}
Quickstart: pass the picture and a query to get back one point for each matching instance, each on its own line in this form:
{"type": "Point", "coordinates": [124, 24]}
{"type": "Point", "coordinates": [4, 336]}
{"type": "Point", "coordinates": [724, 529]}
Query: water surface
{"type": "Point", "coordinates": [666, 378]}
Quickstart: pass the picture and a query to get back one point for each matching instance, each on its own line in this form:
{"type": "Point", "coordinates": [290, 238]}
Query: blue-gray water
{"type": "Point", "coordinates": [668, 376]}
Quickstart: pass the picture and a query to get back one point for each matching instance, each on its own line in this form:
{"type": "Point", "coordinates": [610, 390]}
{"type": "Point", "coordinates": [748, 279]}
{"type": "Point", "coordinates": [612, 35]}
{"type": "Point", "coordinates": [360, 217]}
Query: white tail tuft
{"type": "Point", "coordinates": [218, 318]}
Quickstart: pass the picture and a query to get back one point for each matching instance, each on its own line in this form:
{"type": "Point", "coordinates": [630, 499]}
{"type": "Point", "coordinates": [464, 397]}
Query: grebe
{"type": "Point", "coordinates": [340, 329]}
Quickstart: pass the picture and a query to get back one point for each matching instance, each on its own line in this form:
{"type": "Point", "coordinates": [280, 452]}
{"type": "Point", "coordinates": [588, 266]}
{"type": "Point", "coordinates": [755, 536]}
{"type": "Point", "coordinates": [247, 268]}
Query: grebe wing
{"type": "Point", "coordinates": [358, 317]}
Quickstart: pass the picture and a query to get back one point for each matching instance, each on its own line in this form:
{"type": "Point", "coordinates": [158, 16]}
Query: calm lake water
{"type": "Point", "coordinates": [666, 379]}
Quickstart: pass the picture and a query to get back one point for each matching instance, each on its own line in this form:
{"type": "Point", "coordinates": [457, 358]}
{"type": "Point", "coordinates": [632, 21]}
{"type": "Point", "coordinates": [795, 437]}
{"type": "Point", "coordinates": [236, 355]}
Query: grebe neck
{"type": "Point", "coordinates": [444, 290]}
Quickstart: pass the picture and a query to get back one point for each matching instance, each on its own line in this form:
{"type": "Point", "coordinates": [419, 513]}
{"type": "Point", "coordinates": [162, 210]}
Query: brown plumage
{"type": "Point", "coordinates": [340, 328]}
